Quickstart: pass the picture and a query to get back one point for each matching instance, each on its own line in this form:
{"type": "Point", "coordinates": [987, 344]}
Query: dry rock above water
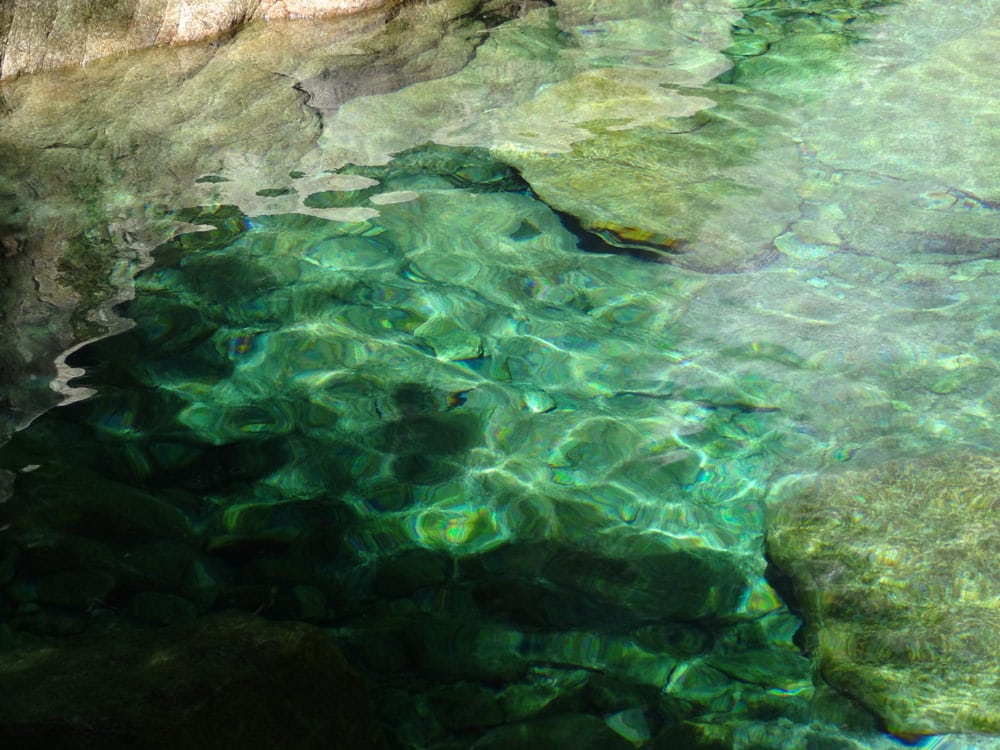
{"type": "Point", "coordinates": [44, 34]}
{"type": "Point", "coordinates": [895, 572]}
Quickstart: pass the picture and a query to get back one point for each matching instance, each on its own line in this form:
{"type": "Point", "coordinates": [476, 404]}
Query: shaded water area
{"type": "Point", "coordinates": [615, 374]}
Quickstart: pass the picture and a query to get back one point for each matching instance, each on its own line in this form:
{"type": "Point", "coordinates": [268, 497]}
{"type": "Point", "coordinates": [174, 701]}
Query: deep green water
{"type": "Point", "coordinates": [513, 448]}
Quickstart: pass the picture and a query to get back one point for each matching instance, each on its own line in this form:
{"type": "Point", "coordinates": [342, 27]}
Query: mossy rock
{"type": "Point", "coordinates": [895, 572]}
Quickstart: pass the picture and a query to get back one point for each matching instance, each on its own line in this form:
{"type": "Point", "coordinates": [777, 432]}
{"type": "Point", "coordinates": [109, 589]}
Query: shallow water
{"type": "Point", "coordinates": [503, 398]}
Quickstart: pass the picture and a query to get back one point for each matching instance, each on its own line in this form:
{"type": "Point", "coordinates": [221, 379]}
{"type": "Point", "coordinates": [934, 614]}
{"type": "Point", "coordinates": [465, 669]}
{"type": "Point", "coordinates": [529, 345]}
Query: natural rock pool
{"type": "Point", "coordinates": [540, 375]}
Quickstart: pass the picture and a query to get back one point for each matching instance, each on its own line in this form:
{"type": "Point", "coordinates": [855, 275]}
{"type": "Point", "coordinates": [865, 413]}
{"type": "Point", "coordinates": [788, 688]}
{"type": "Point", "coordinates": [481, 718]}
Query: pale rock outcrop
{"type": "Point", "coordinates": [42, 34]}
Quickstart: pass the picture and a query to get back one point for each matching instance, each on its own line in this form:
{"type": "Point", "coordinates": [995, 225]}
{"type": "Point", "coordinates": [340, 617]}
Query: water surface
{"type": "Point", "coordinates": [502, 391]}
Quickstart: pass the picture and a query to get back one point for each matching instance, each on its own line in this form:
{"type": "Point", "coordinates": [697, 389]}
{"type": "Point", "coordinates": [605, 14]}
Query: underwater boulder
{"type": "Point", "coordinates": [894, 570]}
{"type": "Point", "coordinates": [562, 730]}
{"type": "Point", "coordinates": [228, 681]}
{"type": "Point", "coordinates": [612, 121]}
{"type": "Point", "coordinates": [73, 500]}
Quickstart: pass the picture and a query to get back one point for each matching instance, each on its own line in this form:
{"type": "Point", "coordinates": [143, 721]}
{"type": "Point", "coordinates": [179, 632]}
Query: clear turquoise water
{"type": "Point", "coordinates": [489, 432]}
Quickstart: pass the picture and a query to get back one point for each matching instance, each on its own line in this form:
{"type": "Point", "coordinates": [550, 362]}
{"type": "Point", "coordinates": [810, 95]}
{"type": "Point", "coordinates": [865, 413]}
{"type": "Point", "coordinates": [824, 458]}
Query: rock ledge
{"type": "Point", "coordinates": [45, 34]}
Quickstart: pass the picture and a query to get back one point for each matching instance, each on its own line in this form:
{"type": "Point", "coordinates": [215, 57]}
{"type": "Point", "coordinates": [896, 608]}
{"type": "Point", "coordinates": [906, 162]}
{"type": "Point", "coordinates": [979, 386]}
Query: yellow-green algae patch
{"type": "Point", "coordinates": [895, 570]}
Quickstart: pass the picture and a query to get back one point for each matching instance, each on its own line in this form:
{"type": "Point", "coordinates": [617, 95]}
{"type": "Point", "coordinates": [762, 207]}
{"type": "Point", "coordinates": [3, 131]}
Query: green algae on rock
{"type": "Point", "coordinates": [894, 570]}
{"type": "Point", "coordinates": [624, 125]}
{"type": "Point", "coordinates": [795, 40]}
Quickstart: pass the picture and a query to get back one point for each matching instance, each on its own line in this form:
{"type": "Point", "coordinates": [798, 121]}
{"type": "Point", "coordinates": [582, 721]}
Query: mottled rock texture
{"type": "Point", "coordinates": [45, 34]}
{"type": "Point", "coordinates": [895, 572]}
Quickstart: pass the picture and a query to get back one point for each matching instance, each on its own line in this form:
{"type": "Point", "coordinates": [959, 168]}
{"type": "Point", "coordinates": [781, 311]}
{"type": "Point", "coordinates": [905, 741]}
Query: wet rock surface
{"type": "Point", "coordinates": [894, 572]}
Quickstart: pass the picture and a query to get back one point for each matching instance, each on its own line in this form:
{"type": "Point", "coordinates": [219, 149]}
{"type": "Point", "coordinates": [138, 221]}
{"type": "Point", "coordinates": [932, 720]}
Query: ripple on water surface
{"type": "Point", "coordinates": [325, 399]}
{"type": "Point", "coordinates": [409, 403]}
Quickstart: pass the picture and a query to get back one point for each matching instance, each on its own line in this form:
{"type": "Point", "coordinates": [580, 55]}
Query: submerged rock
{"type": "Point", "coordinates": [626, 580]}
{"type": "Point", "coordinates": [895, 572]}
{"type": "Point", "coordinates": [607, 111]}
{"type": "Point", "coordinates": [227, 681]}
{"type": "Point", "coordinates": [70, 500]}
{"type": "Point", "coordinates": [84, 178]}
{"type": "Point", "coordinates": [563, 730]}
